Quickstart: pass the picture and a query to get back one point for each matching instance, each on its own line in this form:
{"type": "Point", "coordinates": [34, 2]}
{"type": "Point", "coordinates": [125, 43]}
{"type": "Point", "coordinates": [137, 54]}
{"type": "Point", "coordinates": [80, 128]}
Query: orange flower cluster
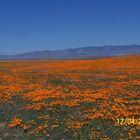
{"type": "Point", "coordinates": [15, 122]}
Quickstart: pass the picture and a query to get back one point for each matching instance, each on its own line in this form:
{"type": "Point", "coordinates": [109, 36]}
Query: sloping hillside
{"type": "Point", "coordinates": [85, 52]}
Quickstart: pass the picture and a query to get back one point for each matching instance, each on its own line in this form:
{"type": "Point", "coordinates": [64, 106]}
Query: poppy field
{"type": "Point", "coordinates": [95, 99]}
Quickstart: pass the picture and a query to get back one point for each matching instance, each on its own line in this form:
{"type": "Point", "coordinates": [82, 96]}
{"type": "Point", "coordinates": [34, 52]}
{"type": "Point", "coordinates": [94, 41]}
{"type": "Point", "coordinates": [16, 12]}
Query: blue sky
{"type": "Point", "coordinates": [28, 25]}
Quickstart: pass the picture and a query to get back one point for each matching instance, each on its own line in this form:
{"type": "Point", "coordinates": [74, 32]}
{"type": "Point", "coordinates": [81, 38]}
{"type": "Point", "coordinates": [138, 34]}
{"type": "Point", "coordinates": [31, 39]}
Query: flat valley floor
{"type": "Point", "coordinates": [70, 99]}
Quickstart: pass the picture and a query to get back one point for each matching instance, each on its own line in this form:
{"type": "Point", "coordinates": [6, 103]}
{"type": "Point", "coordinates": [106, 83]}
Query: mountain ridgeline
{"type": "Point", "coordinates": [77, 53]}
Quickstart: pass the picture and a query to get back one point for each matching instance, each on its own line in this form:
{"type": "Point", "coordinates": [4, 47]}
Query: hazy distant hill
{"type": "Point", "coordinates": [84, 52]}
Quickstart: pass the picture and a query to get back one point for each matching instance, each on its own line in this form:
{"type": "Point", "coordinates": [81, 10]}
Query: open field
{"type": "Point", "coordinates": [70, 99]}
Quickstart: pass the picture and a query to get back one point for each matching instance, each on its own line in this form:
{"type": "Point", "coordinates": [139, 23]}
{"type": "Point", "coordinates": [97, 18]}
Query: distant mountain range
{"type": "Point", "coordinates": [77, 53]}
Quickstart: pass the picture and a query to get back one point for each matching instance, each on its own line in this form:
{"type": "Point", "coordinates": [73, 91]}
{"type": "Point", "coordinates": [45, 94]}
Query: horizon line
{"type": "Point", "coordinates": [28, 51]}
